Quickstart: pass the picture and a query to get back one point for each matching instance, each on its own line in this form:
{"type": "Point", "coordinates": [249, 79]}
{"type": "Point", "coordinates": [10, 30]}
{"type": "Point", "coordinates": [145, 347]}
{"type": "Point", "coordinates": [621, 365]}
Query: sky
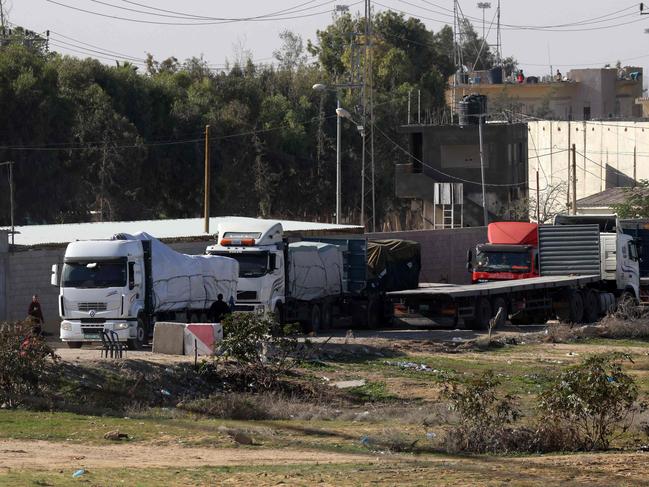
{"type": "Point", "coordinates": [534, 31]}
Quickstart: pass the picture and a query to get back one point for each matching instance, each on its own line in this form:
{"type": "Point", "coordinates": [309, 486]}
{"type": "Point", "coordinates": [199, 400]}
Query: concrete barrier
{"type": "Point", "coordinates": [168, 338]}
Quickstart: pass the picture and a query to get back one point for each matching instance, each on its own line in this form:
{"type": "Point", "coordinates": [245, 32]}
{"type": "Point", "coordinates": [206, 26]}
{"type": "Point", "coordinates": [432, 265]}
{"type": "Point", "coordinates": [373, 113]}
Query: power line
{"type": "Point", "coordinates": [142, 21]}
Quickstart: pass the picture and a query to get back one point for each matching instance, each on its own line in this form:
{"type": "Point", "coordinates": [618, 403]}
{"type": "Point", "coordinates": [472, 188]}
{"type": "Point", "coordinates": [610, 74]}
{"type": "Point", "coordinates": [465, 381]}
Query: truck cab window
{"type": "Point", "coordinates": [251, 264]}
{"type": "Point", "coordinates": [131, 275]}
{"type": "Point", "coordinates": [100, 274]}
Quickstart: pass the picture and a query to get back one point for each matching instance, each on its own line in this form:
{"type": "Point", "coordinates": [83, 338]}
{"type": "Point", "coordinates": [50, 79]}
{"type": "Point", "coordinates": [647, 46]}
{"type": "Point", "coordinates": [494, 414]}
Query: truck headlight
{"type": "Point", "coordinates": [66, 326]}
{"type": "Point", "coordinates": [121, 326]}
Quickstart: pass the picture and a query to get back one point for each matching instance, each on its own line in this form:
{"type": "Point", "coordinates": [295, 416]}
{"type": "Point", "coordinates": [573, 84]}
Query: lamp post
{"type": "Point", "coordinates": [483, 6]}
{"type": "Point", "coordinates": [340, 113]}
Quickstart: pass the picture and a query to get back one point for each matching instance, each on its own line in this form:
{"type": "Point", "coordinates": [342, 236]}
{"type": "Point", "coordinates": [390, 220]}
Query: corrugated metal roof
{"type": "Point", "coordinates": [606, 198]}
{"type": "Point", "coordinates": [162, 229]}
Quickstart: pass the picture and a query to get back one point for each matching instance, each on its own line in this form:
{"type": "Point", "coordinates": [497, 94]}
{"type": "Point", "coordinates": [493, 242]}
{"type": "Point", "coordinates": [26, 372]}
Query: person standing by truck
{"type": "Point", "coordinates": [35, 312]}
{"type": "Point", "coordinates": [218, 310]}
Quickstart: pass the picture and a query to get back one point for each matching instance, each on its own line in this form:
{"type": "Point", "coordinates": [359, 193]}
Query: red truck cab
{"type": "Point", "coordinates": [512, 253]}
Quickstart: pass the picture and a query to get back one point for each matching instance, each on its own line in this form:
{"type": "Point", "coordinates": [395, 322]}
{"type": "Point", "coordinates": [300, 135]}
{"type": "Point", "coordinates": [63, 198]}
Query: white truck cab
{"type": "Point", "coordinates": [259, 248]}
{"type": "Point", "coordinates": [101, 288]}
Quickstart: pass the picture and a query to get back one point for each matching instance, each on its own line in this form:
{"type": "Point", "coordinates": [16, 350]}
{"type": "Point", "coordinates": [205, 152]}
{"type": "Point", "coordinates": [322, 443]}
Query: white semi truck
{"type": "Point", "coordinates": [315, 280]}
{"type": "Point", "coordinates": [129, 282]}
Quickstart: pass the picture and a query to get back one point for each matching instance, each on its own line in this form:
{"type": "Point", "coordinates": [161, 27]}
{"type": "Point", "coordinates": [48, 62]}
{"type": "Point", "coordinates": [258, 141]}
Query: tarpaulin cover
{"type": "Point", "coordinates": [183, 281]}
{"type": "Point", "coordinates": [395, 264]}
{"type": "Point", "coordinates": [315, 270]}
{"type": "Point", "coordinates": [522, 233]}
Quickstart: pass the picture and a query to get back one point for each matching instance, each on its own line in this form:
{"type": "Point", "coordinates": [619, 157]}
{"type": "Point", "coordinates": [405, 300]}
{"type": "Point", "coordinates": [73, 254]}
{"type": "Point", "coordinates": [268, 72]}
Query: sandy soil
{"type": "Point", "coordinates": [53, 455]}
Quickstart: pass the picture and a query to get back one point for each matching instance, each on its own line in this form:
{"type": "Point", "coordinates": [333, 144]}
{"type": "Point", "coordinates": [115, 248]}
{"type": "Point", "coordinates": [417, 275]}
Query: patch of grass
{"type": "Point", "coordinates": [372, 392]}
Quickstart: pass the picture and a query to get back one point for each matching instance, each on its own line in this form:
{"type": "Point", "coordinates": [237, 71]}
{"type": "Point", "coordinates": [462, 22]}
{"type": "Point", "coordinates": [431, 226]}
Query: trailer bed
{"type": "Point", "coordinates": [491, 288]}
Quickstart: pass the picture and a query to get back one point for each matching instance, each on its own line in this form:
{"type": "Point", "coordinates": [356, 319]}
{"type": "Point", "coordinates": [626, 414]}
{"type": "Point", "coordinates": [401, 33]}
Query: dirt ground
{"type": "Point", "coordinates": [53, 455]}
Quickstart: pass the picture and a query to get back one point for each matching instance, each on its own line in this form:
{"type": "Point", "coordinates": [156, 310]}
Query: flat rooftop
{"type": "Point", "coordinates": [161, 229]}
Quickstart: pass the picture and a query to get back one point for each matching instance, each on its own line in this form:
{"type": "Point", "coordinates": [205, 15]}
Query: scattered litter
{"type": "Point", "coordinates": [365, 441]}
{"type": "Point", "coordinates": [326, 379]}
{"type": "Point", "coordinates": [346, 384]}
{"type": "Point", "coordinates": [430, 435]}
{"type": "Point", "coordinates": [165, 392]}
{"type": "Point", "coordinates": [572, 354]}
{"type": "Point", "coordinates": [78, 473]}
{"type": "Point", "coordinates": [412, 366]}
{"type": "Point", "coordinates": [456, 339]}
{"type": "Point", "coordinates": [643, 448]}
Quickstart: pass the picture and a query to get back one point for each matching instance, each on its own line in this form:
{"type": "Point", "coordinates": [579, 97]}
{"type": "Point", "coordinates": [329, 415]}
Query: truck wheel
{"type": "Point", "coordinates": [74, 344]}
{"type": "Point", "coordinates": [482, 314]}
{"type": "Point", "coordinates": [316, 321]}
{"type": "Point", "coordinates": [373, 313]}
{"type": "Point", "coordinates": [140, 337]}
{"type": "Point", "coordinates": [570, 308]}
{"type": "Point", "coordinates": [591, 306]}
{"type": "Point", "coordinates": [500, 302]}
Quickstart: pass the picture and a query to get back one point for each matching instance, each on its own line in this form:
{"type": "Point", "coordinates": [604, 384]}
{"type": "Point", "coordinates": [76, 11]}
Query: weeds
{"type": "Point", "coordinates": [24, 356]}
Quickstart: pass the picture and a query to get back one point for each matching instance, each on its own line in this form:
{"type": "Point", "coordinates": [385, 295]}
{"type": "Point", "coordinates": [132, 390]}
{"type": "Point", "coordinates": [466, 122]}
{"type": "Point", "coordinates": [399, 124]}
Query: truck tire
{"type": "Point", "coordinates": [74, 344]}
{"type": "Point", "coordinates": [140, 337]}
{"type": "Point", "coordinates": [482, 314]}
{"type": "Point", "coordinates": [316, 319]}
{"type": "Point", "coordinates": [570, 309]}
{"type": "Point", "coordinates": [591, 306]}
{"type": "Point", "coordinates": [373, 313]}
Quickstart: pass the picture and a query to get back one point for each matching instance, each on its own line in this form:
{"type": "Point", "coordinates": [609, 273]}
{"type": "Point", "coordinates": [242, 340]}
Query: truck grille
{"type": "Point", "coordinates": [91, 306]}
{"type": "Point", "coordinates": [246, 295]}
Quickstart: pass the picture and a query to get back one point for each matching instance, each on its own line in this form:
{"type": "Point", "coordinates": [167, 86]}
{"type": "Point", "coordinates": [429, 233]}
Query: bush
{"type": "Point", "coordinates": [485, 418]}
{"type": "Point", "coordinates": [587, 404]}
{"type": "Point", "coordinates": [260, 345]}
{"type": "Point", "coordinates": [23, 359]}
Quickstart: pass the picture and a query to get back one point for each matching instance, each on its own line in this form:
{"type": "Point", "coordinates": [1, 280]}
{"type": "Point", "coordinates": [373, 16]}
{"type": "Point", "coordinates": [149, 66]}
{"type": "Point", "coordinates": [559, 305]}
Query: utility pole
{"type": "Point", "coordinates": [484, 196]}
{"type": "Point", "coordinates": [574, 179]}
{"type": "Point", "coordinates": [635, 181]}
{"type": "Point", "coordinates": [206, 203]}
{"type": "Point", "coordinates": [370, 84]}
{"type": "Point", "coordinates": [338, 164]}
{"type": "Point", "coordinates": [538, 197]}
{"type": "Point", "coordinates": [11, 195]}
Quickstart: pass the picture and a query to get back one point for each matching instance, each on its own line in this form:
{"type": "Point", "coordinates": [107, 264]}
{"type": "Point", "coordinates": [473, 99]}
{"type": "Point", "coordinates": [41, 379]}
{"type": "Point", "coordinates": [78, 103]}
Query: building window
{"type": "Point", "coordinates": [586, 113]}
{"type": "Point", "coordinates": [417, 151]}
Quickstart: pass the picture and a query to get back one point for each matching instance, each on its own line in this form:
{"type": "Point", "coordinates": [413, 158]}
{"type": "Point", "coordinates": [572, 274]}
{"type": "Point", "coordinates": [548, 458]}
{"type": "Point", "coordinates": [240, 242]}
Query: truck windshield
{"type": "Point", "coordinates": [251, 264]}
{"type": "Point", "coordinates": [98, 274]}
{"type": "Point", "coordinates": [502, 262]}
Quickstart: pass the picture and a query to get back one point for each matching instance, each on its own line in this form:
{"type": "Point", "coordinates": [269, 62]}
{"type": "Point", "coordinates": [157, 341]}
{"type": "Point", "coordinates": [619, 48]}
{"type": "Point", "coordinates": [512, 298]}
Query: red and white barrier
{"type": "Point", "coordinates": [202, 337]}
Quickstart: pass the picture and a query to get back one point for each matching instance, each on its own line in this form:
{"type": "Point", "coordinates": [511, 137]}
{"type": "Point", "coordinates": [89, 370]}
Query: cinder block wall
{"type": "Point", "coordinates": [443, 252]}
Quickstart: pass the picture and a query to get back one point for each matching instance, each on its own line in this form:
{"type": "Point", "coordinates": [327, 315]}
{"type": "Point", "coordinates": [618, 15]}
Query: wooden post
{"type": "Point", "coordinates": [568, 189]}
{"type": "Point", "coordinates": [206, 204]}
{"type": "Point", "coordinates": [574, 179]}
{"type": "Point", "coordinates": [634, 166]}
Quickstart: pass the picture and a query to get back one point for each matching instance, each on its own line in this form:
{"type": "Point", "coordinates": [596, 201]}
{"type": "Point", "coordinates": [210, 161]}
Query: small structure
{"type": "Point", "coordinates": [602, 203]}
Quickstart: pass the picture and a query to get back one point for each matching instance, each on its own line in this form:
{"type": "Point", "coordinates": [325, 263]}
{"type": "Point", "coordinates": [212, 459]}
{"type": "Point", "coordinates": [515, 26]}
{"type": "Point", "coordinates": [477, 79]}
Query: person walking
{"type": "Point", "coordinates": [35, 313]}
{"type": "Point", "coordinates": [218, 310]}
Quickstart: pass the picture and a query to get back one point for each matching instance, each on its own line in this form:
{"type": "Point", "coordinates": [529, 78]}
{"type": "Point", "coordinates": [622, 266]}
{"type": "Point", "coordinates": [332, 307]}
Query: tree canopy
{"type": "Point", "coordinates": [93, 141]}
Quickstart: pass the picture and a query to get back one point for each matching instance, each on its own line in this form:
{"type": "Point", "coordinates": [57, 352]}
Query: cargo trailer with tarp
{"type": "Point", "coordinates": [393, 264]}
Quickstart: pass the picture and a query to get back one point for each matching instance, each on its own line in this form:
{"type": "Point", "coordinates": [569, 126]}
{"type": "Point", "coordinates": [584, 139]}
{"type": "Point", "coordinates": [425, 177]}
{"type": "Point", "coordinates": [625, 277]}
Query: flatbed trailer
{"type": "Point", "coordinates": [529, 299]}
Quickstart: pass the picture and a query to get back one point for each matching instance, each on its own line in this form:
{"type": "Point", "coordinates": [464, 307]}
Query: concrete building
{"type": "Point", "coordinates": [583, 94]}
{"type": "Point", "coordinates": [608, 155]}
{"type": "Point", "coordinates": [442, 178]}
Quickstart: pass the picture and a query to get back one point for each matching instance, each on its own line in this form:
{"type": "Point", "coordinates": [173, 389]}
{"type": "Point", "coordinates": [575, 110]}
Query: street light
{"type": "Point", "coordinates": [340, 113]}
{"type": "Point", "coordinates": [483, 6]}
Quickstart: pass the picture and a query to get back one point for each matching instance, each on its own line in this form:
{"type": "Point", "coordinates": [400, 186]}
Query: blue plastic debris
{"type": "Point", "coordinates": [78, 473]}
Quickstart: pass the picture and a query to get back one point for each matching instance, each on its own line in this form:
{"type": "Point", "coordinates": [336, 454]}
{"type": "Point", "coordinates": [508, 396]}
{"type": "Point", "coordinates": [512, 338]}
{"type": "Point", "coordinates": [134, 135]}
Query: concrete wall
{"type": "Point", "coordinates": [605, 155]}
{"type": "Point", "coordinates": [443, 252]}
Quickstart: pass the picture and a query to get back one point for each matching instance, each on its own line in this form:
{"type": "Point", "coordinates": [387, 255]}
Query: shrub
{"type": "Point", "coordinates": [261, 346]}
{"type": "Point", "coordinates": [23, 359]}
{"type": "Point", "coordinates": [587, 404]}
{"type": "Point", "coordinates": [485, 418]}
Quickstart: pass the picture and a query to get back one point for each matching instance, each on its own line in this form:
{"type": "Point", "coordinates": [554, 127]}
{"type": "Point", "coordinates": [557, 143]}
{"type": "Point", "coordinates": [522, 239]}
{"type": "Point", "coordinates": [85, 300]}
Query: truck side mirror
{"type": "Point", "coordinates": [131, 275]}
{"type": "Point", "coordinates": [469, 260]}
{"type": "Point", "coordinates": [54, 278]}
